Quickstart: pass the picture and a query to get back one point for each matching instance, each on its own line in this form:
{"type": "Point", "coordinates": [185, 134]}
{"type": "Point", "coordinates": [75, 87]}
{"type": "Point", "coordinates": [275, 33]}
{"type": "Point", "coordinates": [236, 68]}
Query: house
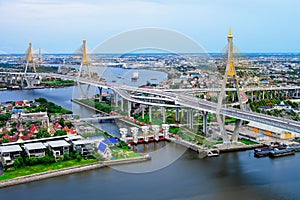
{"type": "Point", "coordinates": [8, 154]}
{"type": "Point", "coordinates": [26, 103]}
{"type": "Point", "coordinates": [282, 106]}
{"type": "Point", "coordinates": [8, 106]}
{"type": "Point", "coordinates": [265, 108]}
{"type": "Point", "coordinates": [17, 111]}
{"type": "Point", "coordinates": [20, 103]}
{"type": "Point", "coordinates": [71, 138]}
{"type": "Point", "coordinates": [35, 149]}
{"type": "Point", "coordinates": [84, 147]}
{"type": "Point", "coordinates": [58, 148]}
{"type": "Point", "coordinates": [104, 150]}
{"type": "Point", "coordinates": [57, 126]}
{"type": "Point", "coordinates": [34, 129]}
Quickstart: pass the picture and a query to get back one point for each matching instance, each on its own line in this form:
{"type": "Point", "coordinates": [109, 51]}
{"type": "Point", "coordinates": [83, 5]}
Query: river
{"type": "Point", "coordinates": [174, 172]}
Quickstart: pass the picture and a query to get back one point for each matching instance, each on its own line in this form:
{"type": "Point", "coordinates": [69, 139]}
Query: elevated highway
{"type": "Point", "coordinates": [188, 101]}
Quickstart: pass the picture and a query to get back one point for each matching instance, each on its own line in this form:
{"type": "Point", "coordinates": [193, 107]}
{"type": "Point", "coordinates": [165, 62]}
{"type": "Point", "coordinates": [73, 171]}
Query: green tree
{"type": "Point", "coordinates": [62, 122]}
{"type": "Point", "coordinates": [5, 140]}
{"type": "Point", "coordinates": [18, 162]}
{"type": "Point", "coordinates": [67, 157]}
{"type": "Point", "coordinates": [60, 133]}
{"type": "Point", "coordinates": [78, 157]}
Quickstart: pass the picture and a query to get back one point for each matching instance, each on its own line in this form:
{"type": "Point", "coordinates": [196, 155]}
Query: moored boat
{"type": "Point", "coordinates": [263, 152]}
{"type": "Point", "coordinates": [281, 152]}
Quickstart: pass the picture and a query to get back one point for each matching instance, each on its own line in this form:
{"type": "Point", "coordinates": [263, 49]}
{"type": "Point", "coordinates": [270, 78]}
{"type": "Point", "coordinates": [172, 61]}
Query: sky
{"type": "Point", "coordinates": [58, 26]}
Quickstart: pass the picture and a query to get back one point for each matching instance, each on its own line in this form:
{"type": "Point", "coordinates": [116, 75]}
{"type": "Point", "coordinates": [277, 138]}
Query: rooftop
{"type": "Point", "coordinates": [102, 147]}
{"type": "Point", "coordinates": [79, 142]}
{"type": "Point", "coordinates": [11, 148]}
{"type": "Point", "coordinates": [266, 127]}
{"type": "Point", "coordinates": [58, 143]}
{"type": "Point", "coordinates": [74, 137]}
{"type": "Point", "coordinates": [111, 141]}
{"type": "Point", "coordinates": [32, 146]}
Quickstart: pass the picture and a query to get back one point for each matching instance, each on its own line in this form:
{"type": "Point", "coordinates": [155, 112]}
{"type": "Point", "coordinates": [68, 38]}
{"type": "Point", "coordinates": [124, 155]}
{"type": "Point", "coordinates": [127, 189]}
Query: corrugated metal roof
{"type": "Point", "coordinates": [74, 137]}
{"type": "Point", "coordinates": [267, 127]}
{"type": "Point", "coordinates": [32, 146]}
{"type": "Point", "coordinates": [58, 143]}
{"type": "Point", "coordinates": [79, 142]}
{"type": "Point", "coordinates": [11, 148]}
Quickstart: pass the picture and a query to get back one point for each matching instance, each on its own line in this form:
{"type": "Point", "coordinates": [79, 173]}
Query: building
{"type": "Point", "coordinates": [84, 147]}
{"type": "Point", "coordinates": [58, 148]}
{"type": "Point", "coordinates": [40, 116]}
{"type": "Point", "coordinates": [271, 131]}
{"type": "Point", "coordinates": [35, 149]}
{"type": "Point", "coordinates": [104, 151]}
{"type": "Point", "coordinates": [8, 154]}
{"type": "Point", "coordinates": [282, 106]}
{"type": "Point", "coordinates": [111, 142]}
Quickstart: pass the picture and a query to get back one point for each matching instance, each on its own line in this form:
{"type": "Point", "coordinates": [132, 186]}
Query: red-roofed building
{"type": "Point", "coordinates": [6, 136]}
{"type": "Point", "coordinates": [34, 129]}
{"type": "Point", "coordinates": [19, 103]}
{"type": "Point", "coordinates": [57, 126]}
{"type": "Point", "coordinates": [73, 130]}
{"type": "Point", "coordinates": [66, 128]}
{"type": "Point", "coordinates": [13, 139]}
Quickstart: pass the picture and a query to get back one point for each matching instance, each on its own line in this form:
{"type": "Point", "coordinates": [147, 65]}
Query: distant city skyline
{"type": "Point", "coordinates": [58, 26]}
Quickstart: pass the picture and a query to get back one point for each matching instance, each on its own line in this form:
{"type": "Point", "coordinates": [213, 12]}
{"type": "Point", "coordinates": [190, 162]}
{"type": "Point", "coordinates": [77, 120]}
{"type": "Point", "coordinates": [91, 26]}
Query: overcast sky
{"type": "Point", "coordinates": [58, 26]}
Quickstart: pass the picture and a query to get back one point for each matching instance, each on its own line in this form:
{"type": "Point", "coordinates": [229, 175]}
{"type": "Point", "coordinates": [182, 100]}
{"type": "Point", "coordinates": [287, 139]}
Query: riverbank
{"type": "Point", "coordinates": [71, 170]}
{"type": "Point", "coordinates": [221, 147]}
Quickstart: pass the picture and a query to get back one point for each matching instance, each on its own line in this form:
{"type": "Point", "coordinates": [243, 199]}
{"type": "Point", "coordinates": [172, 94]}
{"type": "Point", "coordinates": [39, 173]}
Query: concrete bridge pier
{"type": "Point", "coordinates": [143, 113]}
{"type": "Point", "coordinates": [100, 93]}
{"type": "Point", "coordinates": [122, 105]}
{"type": "Point", "coordinates": [190, 118]}
{"type": "Point", "coordinates": [232, 97]}
{"type": "Point", "coordinates": [156, 129]}
{"type": "Point", "coordinates": [163, 112]}
{"type": "Point", "coordinates": [129, 108]}
{"type": "Point", "coordinates": [150, 114]}
{"type": "Point", "coordinates": [204, 122]}
{"type": "Point", "coordinates": [116, 96]}
{"type": "Point", "coordinates": [177, 115]}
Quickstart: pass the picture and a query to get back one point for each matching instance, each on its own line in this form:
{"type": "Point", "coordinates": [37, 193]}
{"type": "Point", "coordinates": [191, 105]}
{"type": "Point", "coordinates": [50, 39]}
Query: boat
{"type": "Point", "coordinates": [213, 152]}
{"type": "Point", "coordinates": [263, 152]}
{"type": "Point", "coordinates": [294, 147]}
{"type": "Point", "coordinates": [281, 152]}
{"type": "Point", "coordinates": [135, 76]}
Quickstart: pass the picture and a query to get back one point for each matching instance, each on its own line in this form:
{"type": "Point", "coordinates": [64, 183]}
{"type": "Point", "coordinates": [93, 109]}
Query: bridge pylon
{"type": "Point", "coordinates": [30, 64]}
{"type": "Point", "coordinates": [29, 59]}
{"type": "Point", "coordinates": [85, 64]}
{"type": "Point", "coordinates": [230, 80]}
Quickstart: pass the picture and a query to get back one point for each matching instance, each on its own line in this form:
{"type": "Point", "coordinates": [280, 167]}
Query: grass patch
{"type": "Point", "coordinates": [98, 133]}
{"type": "Point", "coordinates": [29, 170]}
{"type": "Point", "coordinates": [247, 142]}
{"type": "Point", "coordinates": [119, 153]}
